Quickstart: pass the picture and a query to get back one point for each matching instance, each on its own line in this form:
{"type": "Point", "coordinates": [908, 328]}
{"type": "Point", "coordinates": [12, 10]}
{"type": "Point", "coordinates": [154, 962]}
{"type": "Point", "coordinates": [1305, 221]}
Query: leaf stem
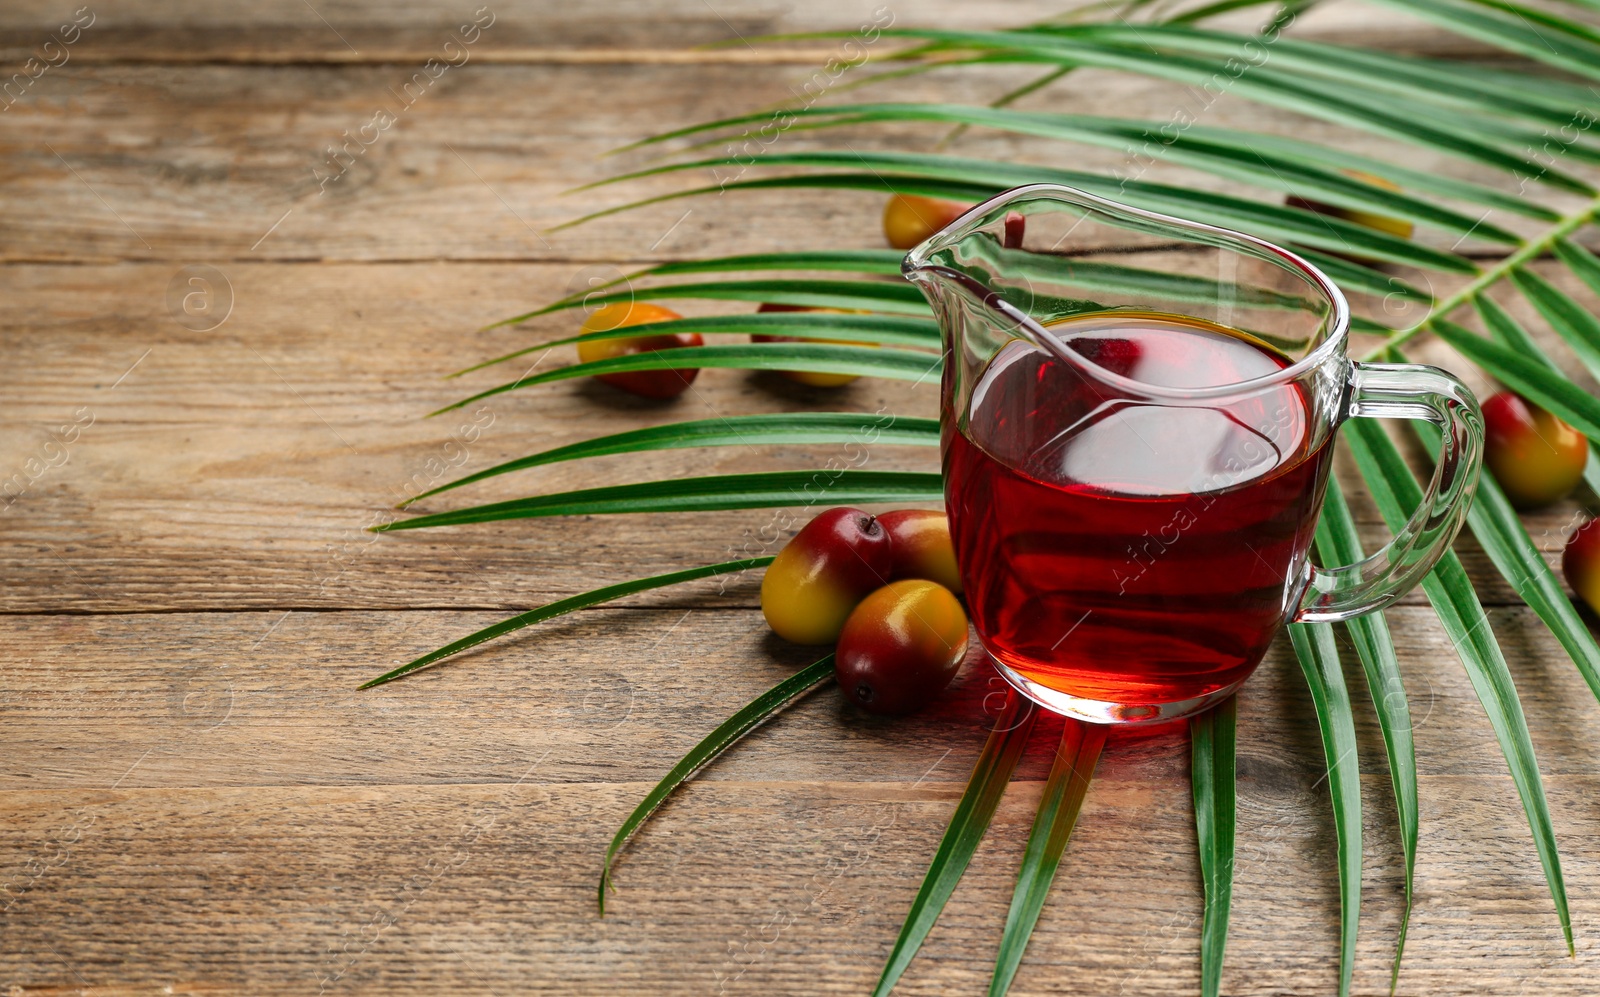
{"type": "Point", "coordinates": [1488, 278]}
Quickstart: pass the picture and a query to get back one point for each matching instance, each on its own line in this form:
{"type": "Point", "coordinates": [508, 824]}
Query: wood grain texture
{"type": "Point", "coordinates": [175, 770]}
{"type": "Point", "coordinates": [195, 799]}
{"type": "Point", "coordinates": [621, 31]}
{"type": "Point", "coordinates": [304, 410]}
{"type": "Point", "coordinates": [221, 163]}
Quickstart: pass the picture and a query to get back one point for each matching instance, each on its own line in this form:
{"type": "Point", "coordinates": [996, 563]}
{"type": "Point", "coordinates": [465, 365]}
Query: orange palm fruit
{"type": "Point", "coordinates": [909, 219]}
{"type": "Point", "coordinates": [901, 647]}
{"type": "Point", "coordinates": [1536, 458]}
{"type": "Point", "coordinates": [820, 575]}
{"type": "Point", "coordinates": [659, 384]}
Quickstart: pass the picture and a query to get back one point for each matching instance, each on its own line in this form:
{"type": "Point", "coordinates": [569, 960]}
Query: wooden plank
{"type": "Point", "coordinates": [236, 165]}
{"type": "Point", "coordinates": [170, 771]}
{"type": "Point", "coordinates": [347, 31]}
{"type": "Point", "coordinates": [201, 802]}
{"type": "Point", "coordinates": [222, 699]}
{"type": "Point", "coordinates": [490, 889]}
{"type": "Point", "coordinates": [237, 467]}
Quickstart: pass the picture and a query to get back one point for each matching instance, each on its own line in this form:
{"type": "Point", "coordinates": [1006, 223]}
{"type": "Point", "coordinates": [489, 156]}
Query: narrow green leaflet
{"type": "Point", "coordinates": [1064, 791]}
{"type": "Point", "coordinates": [562, 606]}
{"type": "Point", "coordinates": [793, 428]}
{"type": "Point", "coordinates": [757, 712]}
{"type": "Point", "coordinates": [1319, 660]}
{"type": "Point", "coordinates": [1213, 9]}
{"type": "Point", "coordinates": [967, 826]}
{"type": "Point", "coordinates": [1515, 29]}
{"type": "Point", "coordinates": [1506, 331]}
{"type": "Point", "coordinates": [1571, 321]}
{"type": "Point", "coordinates": [1213, 743]}
{"type": "Point", "coordinates": [1450, 591]}
{"type": "Point", "coordinates": [1535, 93]}
{"type": "Point", "coordinates": [866, 295]}
{"type": "Point", "coordinates": [877, 261]}
{"type": "Point", "coordinates": [827, 358]}
{"type": "Point", "coordinates": [964, 179]}
{"type": "Point", "coordinates": [888, 329]}
{"type": "Point", "coordinates": [1338, 543]}
{"type": "Point", "coordinates": [1318, 98]}
{"type": "Point", "coordinates": [1580, 261]}
{"type": "Point", "coordinates": [765, 490]}
{"type": "Point", "coordinates": [1393, 172]}
{"type": "Point", "coordinates": [1353, 276]}
{"type": "Point", "coordinates": [1527, 376]}
{"type": "Point", "coordinates": [1260, 165]}
{"type": "Point", "coordinates": [1409, 76]}
{"type": "Point", "coordinates": [1496, 525]}
{"type": "Point", "coordinates": [1431, 91]}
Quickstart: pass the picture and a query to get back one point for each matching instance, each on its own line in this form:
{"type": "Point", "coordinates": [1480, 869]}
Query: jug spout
{"type": "Point", "coordinates": [940, 282]}
{"type": "Point", "coordinates": [1023, 263]}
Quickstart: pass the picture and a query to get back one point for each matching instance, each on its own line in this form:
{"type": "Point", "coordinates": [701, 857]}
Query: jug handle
{"type": "Point", "coordinates": [1406, 391]}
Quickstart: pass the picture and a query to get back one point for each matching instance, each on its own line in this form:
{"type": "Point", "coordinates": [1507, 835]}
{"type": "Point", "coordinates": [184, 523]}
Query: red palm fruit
{"type": "Point", "coordinates": [819, 576]}
{"type": "Point", "coordinates": [908, 219]}
{"type": "Point", "coordinates": [922, 546]}
{"type": "Point", "coordinates": [1378, 223]}
{"type": "Point", "coordinates": [814, 379]}
{"type": "Point", "coordinates": [1580, 562]}
{"type": "Point", "coordinates": [644, 383]}
{"type": "Point", "coordinates": [1016, 228]}
{"type": "Point", "coordinates": [1535, 457]}
{"type": "Point", "coordinates": [901, 647]}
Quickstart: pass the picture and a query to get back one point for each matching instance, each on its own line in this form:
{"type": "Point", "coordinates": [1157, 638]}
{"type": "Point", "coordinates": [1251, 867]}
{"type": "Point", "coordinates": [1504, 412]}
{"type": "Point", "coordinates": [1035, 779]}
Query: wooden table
{"type": "Point", "coordinates": [193, 796]}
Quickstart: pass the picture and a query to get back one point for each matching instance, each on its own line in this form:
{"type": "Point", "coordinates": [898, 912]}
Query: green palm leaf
{"type": "Point", "coordinates": [1223, 155]}
{"type": "Point", "coordinates": [1468, 111]}
{"type": "Point", "coordinates": [562, 606]}
{"type": "Point", "coordinates": [1450, 591]}
{"type": "Point", "coordinates": [881, 296]}
{"type": "Point", "coordinates": [1516, 29]}
{"type": "Point", "coordinates": [1319, 660]}
{"type": "Point", "coordinates": [1294, 226]}
{"type": "Point", "coordinates": [1213, 738]}
{"type": "Point", "coordinates": [878, 261]}
{"type": "Point", "coordinates": [825, 358]}
{"type": "Point", "coordinates": [1339, 543]}
{"type": "Point", "coordinates": [1580, 261]}
{"type": "Point", "coordinates": [1571, 321]}
{"type": "Point", "coordinates": [887, 329]}
{"type": "Point", "coordinates": [967, 826]}
{"type": "Point", "coordinates": [770, 489]}
{"type": "Point", "coordinates": [1318, 98]}
{"type": "Point", "coordinates": [1507, 332]}
{"type": "Point", "coordinates": [754, 714]}
{"type": "Point", "coordinates": [1064, 791]}
{"type": "Point", "coordinates": [1503, 537]}
{"type": "Point", "coordinates": [1360, 278]}
{"type": "Point", "coordinates": [740, 430]}
{"type": "Point", "coordinates": [1542, 98]}
{"type": "Point", "coordinates": [1508, 545]}
{"type": "Point", "coordinates": [1409, 77]}
{"type": "Point", "coordinates": [1527, 376]}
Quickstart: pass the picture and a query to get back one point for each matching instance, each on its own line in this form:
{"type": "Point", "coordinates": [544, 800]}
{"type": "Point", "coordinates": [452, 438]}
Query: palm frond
{"type": "Point", "coordinates": [717, 493]}
{"type": "Point", "coordinates": [1338, 543]}
{"type": "Point", "coordinates": [1456, 603]}
{"type": "Point", "coordinates": [821, 358]}
{"type": "Point", "coordinates": [1319, 661]}
{"type": "Point", "coordinates": [856, 428]}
